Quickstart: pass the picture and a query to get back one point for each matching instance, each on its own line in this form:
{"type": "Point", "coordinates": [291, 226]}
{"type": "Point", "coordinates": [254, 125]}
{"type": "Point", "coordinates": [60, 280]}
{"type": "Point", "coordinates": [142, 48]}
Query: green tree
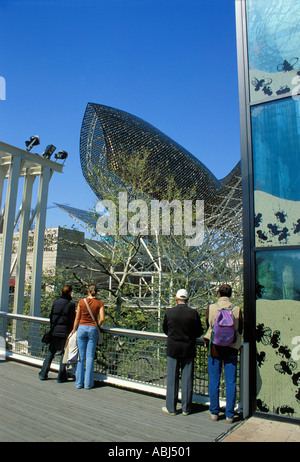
{"type": "Point", "coordinates": [174, 264]}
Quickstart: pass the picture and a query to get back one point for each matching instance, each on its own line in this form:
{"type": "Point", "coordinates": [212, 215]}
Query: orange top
{"type": "Point", "coordinates": [84, 315]}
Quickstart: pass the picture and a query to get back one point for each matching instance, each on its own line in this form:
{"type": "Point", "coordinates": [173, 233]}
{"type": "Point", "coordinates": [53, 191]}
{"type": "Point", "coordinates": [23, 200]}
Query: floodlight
{"type": "Point", "coordinates": [49, 151]}
{"type": "Point", "coordinates": [61, 155]}
{"type": "Point", "coordinates": [33, 141]}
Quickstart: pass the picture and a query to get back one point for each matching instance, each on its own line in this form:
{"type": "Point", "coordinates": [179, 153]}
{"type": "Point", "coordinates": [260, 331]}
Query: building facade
{"type": "Point", "coordinates": [268, 38]}
{"type": "Point", "coordinates": [63, 251]}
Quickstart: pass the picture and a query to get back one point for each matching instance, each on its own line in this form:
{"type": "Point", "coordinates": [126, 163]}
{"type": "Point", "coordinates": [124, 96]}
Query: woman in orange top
{"type": "Point", "coordinates": [87, 336]}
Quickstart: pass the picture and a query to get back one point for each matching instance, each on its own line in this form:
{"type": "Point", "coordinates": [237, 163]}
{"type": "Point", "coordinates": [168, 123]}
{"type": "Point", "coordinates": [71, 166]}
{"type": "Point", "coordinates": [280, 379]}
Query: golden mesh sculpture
{"type": "Point", "coordinates": [108, 138]}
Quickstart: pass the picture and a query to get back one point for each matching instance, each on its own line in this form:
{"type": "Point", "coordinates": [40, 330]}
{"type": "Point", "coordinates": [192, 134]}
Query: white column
{"type": "Point", "coordinates": [3, 172]}
{"type": "Point", "coordinates": [23, 243]}
{"type": "Point", "coordinates": [39, 234]}
{"type": "Point", "coordinates": [8, 230]}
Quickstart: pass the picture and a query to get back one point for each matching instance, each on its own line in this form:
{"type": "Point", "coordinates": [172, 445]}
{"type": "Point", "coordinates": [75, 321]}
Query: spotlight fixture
{"type": "Point", "coordinates": [61, 155]}
{"type": "Point", "coordinates": [49, 151]}
{"type": "Point", "coordinates": [33, 141]}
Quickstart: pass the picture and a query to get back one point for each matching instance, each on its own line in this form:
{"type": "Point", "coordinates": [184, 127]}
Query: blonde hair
{"type": "Point", "coordinates": [93, 289]}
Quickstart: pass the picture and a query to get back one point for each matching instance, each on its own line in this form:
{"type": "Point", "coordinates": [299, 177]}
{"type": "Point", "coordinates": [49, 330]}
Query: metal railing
{"type": "Point", "coordinates": [129, 358]}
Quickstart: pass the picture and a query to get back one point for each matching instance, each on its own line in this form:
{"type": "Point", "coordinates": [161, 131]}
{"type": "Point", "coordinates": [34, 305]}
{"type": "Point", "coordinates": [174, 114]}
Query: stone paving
{"type": "Point", "coordinates": [261, 430]}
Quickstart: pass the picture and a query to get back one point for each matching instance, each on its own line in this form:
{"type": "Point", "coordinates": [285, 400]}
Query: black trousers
{"type": "Point", "coordinates": [57, 345]}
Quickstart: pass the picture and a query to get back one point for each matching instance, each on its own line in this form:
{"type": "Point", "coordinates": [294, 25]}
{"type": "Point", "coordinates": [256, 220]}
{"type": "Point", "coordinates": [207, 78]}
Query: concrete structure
{"type": "Point", "coordinates": [63, 250]}
{"type": "Point", "coordinates": [57, 253]}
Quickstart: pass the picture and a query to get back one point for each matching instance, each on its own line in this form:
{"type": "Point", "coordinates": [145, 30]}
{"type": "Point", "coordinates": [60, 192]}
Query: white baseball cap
{"type": "Point", "coordinates": [182, 294]}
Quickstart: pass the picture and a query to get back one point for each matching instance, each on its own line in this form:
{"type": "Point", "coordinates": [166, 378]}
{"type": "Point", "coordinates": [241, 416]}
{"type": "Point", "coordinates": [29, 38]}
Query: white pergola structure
{"type": "Point", "coordinates": [15, 164]}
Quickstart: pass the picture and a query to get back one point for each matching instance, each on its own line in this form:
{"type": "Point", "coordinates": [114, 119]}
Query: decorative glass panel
{"type": "Point", "coordinates": [273, 48]}
{"type": "Point", "coordinates": [276, 155]}
{"type": "Point", "coordinates": [277, 332]}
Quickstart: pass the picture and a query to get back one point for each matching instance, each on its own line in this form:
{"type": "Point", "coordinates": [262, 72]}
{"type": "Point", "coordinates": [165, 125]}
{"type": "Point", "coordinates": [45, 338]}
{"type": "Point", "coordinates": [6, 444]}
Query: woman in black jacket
{"type": "Point", "coordinates": [62, 317]}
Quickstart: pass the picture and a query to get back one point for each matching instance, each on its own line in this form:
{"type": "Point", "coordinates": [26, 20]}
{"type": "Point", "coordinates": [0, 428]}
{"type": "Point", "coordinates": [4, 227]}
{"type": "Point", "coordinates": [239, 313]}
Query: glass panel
{"type": "Point", "coordinates": [276, 141]}
{"type": "Point", "coordinates": [277, 332]}
{"type": "Point", "coordinates": [273, 48]}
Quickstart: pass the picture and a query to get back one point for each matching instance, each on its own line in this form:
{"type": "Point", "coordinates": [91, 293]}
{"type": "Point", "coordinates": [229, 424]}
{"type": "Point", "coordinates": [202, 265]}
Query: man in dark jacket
{"type": "Point", "coordinates": [182, 325]}
{"type": "Point", "coordinates": [62, 318]}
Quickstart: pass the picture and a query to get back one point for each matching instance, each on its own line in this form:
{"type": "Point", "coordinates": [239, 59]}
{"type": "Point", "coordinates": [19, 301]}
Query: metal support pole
{"type": "Point", "coordinates": [8, 230]}
{"type": "Point", "coordinates": [244, 380]}
{"type": "Point", "coordinates": [3, 172]}
{"type": "Point", "coordinates": [23, 242]}
{"type": "Point", "coordinates": [39, 235]}
{"type": "Point", "coordinates": [247, 192]}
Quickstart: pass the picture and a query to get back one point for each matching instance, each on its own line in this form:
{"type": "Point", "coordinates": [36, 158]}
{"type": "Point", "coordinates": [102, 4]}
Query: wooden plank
{"type": "Point", "coordinates": [34, 410]}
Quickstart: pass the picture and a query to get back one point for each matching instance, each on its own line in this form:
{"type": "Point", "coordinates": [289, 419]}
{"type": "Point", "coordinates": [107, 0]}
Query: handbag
{"type": "Point", "coordinates": [47, 337]}
{"type": "Point", "coordinates": [100, 336]}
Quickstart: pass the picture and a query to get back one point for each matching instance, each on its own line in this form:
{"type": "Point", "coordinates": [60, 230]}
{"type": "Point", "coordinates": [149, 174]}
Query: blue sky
{"type": "Point", "coordinates": [171, 62]}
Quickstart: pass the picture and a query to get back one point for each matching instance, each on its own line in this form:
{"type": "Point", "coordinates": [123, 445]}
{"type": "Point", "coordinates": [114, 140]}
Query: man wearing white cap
{"type": "Point", "coordinates": [182, 325]}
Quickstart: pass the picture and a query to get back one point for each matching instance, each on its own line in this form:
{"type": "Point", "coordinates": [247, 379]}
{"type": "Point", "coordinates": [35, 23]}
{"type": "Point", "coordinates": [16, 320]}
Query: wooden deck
{"type": "Point", "coordinates": [45, 411]}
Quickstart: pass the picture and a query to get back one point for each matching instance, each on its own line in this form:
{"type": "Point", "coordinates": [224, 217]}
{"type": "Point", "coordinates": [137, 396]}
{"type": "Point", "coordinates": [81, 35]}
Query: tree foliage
{"type": "Point", "coordinates": [159, 264]}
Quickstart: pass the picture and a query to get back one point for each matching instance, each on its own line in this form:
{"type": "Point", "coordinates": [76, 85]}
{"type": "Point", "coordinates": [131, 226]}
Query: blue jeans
{"type": "Point", "coordinates": [230, 372]}
{"type": "Point", "coordinates": [187, 373]}
{"type": "Point", "coordinates": [87, 337]}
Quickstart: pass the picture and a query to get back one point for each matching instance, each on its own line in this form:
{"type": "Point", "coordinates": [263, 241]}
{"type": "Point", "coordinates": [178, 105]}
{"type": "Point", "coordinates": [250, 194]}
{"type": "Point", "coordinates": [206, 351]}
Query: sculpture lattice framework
{"type": "Point", "coordinates": [108, 139]}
